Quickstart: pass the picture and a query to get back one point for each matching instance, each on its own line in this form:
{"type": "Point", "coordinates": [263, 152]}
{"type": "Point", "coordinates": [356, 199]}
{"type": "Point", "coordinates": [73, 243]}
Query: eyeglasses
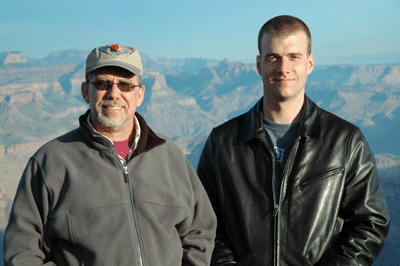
{"type": "Point", "coordinates": [103, 85]}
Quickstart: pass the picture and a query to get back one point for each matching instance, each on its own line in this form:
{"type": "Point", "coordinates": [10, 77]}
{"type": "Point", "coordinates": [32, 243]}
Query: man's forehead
{"type": "Point", "coordinates": [295, 41]}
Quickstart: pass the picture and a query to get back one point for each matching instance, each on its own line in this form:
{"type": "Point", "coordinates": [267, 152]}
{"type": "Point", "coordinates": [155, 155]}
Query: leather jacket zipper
{"type": "Point", "coordinates": [282, 187]}
{"type": "Point", "coordinates": [276, 209]}
{"type": "Point", "coordinates": [128, 188]}
{"type": "Point", "coordinates": [285, 173]}
{"type": "Point", "coordinates": [276, 203]}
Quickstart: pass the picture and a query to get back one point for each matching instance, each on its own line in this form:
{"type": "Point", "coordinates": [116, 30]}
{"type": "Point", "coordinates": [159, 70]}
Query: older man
{"type": "Point", "coordinates": [111, 192]}
{"type": "Point", "coordinates": [292, 184]}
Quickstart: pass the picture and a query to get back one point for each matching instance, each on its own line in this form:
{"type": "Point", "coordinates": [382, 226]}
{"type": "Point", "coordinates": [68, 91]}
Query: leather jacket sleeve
{"type": "Point", "coordinates": [364, 211]}
{"type": "Point", "coordinates": [222, 254]}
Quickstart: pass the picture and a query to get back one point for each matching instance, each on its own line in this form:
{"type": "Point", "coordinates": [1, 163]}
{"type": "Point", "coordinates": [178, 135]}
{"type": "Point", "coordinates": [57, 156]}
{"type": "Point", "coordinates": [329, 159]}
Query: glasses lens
{"type": "Point", "coordinates": [105, 85]}
{"type": "Point", "coordinates": [125, 87]}
{"type": "Point", "coordinates": [101, 85]}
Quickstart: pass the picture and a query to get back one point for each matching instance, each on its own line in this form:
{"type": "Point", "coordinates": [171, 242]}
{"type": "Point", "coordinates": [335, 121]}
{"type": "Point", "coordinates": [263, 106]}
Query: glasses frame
{"type": "Point", "coordinates": [109, 85]}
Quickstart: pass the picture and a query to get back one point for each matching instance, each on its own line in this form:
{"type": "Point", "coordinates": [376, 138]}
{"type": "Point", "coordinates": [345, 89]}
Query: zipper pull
{"type": "Point", "coordinates": [276, 209]}
{"type": "Point", "coordinates": [126, 174]}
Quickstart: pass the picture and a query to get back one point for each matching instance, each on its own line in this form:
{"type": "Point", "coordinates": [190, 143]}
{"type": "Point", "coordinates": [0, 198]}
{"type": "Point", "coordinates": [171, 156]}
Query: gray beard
{"type": "Point", "coordinates": [104, 120]}
{"type": "Point", "coordinates": [107, 123]}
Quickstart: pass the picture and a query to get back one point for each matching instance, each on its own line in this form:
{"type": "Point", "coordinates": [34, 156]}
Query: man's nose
{"type": "Point", "coordinates": [284, 65]}
{"type": "Point", "coordinates": [113, 91]}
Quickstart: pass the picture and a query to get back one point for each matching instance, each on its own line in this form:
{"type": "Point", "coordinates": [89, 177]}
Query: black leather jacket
{"type": "Point", "coordinates": [331, 209]}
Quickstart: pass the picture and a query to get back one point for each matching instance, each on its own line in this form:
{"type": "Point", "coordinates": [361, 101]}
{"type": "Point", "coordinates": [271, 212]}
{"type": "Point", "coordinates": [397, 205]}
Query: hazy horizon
{"type": "Point", "coordinates": [319, 61]}
{"type": "Point", "coordinates": [200, 29]}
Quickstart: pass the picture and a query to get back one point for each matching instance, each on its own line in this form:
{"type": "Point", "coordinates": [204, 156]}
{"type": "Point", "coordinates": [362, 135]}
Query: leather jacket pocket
{"type": "Point", "coordinates": [321, 176]}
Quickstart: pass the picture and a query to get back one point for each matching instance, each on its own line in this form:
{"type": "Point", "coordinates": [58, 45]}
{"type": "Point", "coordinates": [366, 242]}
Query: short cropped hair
{"type": "Point", "coordinates": [284, 25]}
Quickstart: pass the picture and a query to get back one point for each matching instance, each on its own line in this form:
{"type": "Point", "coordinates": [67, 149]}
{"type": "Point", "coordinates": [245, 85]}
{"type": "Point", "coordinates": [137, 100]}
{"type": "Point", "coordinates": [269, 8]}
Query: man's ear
{"type": "Point", "coordinates": [141, 96]}
{"type": "Point", "coordinates": [310, 64]}
{"type": "Point", "coordinates": [258, 64]}
{"type": "Point", "coordinates": [85, 91]}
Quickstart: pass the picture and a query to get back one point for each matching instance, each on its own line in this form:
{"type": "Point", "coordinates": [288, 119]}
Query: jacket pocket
{"type": "Point", "coordinates": [322, 176]}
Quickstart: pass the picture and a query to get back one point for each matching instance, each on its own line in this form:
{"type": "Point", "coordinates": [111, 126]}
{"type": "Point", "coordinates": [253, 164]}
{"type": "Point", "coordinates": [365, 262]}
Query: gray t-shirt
{"type": "Point", "coordinates": [280, 139]}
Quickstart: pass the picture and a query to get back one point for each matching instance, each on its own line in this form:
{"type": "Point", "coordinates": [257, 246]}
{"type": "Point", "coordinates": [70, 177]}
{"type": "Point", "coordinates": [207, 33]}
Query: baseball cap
{"type": "Point", "coordinates": [115, 55]}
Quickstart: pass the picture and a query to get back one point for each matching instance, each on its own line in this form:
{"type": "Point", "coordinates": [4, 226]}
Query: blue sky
{"type": "Point", "coordinates": [341, 30]}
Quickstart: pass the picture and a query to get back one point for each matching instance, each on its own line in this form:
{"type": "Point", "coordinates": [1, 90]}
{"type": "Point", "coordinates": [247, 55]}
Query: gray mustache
{"type": "Point", "coordinates": [110, 102]}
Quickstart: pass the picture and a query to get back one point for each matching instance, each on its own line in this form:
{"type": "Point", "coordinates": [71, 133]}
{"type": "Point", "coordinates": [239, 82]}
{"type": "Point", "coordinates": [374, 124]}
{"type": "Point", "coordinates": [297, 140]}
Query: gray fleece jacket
{"type": "Point", "coordinates": [76, 204]}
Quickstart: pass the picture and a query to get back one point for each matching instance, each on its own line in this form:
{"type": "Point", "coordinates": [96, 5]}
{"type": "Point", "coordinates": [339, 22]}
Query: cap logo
{"type": "Point", "coordinates": [114, 50]}
{"type": "Point", "coordinates": [114, 47]}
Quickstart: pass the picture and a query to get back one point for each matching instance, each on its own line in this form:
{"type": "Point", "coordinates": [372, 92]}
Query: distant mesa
{"type": "Point", "coordinates": [13, 58]}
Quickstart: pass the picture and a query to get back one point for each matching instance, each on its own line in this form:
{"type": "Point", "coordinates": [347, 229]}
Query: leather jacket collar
{"type": "Point", "coordinates": [310, 125]}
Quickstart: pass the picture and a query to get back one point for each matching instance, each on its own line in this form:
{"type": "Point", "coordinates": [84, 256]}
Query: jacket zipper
{"type": "Point", "coordinates": [128, 188]}
{"type": "Point", "coordinates": [129, 191]}
{"type": "Point", "coordinates": [276, 203]}
{"type": "Point", "coordinates": [282, 187]}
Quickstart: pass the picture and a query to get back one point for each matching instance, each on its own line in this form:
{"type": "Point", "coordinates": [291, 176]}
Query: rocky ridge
{"type": "Point", "coordinates": [184, 100]}
{"type": "Point", "coordinates": [13, 58]}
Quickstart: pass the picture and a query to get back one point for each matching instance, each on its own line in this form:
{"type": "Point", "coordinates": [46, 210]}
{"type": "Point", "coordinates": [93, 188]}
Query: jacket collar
{"type": "Point", "coordinates": [253, 123]}
{"type": "Point", "coordinates": [148, 139]}
{"type": "Point", "coordinates": [310, 125]}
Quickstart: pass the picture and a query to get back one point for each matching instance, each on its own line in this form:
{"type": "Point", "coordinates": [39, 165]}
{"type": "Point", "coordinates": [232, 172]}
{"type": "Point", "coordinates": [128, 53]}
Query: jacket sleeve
{"type": "Point", "coordinates": [198, 232]}
{"type": "Point", "coordinates": [364, 210]}
{"type": "Point", "coordinates": [207, 171]}
{"type": "Point", "coordinates": [25, 240]}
